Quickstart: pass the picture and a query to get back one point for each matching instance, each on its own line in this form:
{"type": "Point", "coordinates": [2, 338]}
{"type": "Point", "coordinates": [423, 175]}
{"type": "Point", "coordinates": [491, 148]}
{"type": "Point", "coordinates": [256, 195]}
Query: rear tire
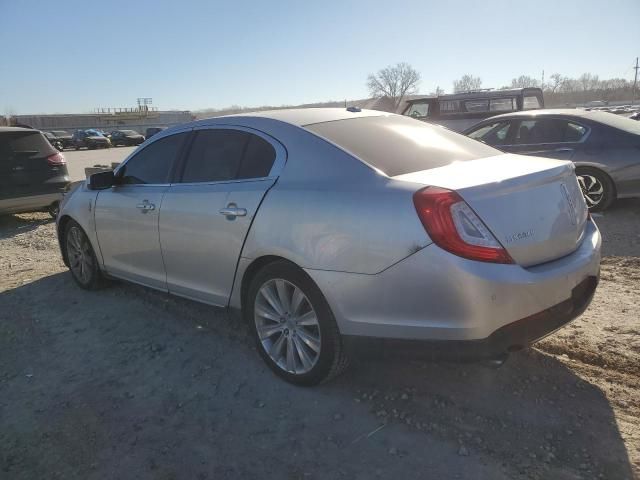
{"type": "Point", "coordinates": [597, 188]}
{"type": "Point", "coordinates": [83, 264]}
{"type": "Point", "coordinates": [294, 329]}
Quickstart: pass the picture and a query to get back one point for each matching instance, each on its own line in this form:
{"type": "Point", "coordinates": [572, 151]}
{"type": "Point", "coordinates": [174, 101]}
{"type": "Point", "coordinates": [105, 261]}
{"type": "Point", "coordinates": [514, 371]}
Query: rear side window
{"type": "Point", "coordinates": [215, 156]}
{"type": "Point", "coordinates": [152, 165]}
{"type": "Point", "coordinates": [258, 158]}
{"type": "Point", "coordinates": [26, 144]}
{"type": "Point", "coordinates": [548, 130]}
{"type": "Point", "coordinates": [397, 145]}
{"type": "Point", "coordinates": [530, 103]}
{"type": "Point", "coordinates": [493, 134]}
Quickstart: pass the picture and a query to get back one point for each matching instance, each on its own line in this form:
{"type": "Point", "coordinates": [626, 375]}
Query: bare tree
{"type": "Point", "coordinates": [555, 82]}
{"type": "Point", "coordinates": [524, 81]}
{"type": "Point", "coordinates": [467, 82]}
{"type": "Point", "coordinates": [588, 81]}
{"type": "Point", "coordinates": [437, 92]}
{"type": "Point", "coordinates": [394, 82]}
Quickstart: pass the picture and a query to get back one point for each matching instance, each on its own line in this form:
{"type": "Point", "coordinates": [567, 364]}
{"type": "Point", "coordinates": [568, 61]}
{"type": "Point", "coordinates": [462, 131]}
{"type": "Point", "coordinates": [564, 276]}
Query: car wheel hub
{"type": "Point", "coordinates": [287, 326]}
{"type": "Point", "coordinates": [79, 255]}
{"type": "Point", "coordinates": [592, 189]}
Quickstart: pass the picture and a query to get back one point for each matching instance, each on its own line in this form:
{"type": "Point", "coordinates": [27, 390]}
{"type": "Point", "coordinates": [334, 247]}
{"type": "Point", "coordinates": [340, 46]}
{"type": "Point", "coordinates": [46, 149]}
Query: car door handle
{"type": "Point", "coordinates": [145, 206]}
{"type": "Point", "coordinates": [564, 150]}
{"type": "Point", "coordinates": [233, 212]}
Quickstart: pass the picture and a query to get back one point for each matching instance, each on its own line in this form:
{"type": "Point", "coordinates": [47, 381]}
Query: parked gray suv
{"type": "Point", "coordinates": [33, 174]}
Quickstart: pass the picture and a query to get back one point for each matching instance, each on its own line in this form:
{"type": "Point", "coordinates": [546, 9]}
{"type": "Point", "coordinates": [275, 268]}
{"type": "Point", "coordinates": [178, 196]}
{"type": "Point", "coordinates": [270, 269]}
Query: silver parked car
{"type": "Point", "coordinates": [327, 225]}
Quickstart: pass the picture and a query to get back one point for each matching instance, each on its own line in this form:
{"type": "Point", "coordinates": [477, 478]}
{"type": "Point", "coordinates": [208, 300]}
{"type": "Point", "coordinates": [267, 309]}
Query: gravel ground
{"type": "Point", "coordinates": [130, 383]}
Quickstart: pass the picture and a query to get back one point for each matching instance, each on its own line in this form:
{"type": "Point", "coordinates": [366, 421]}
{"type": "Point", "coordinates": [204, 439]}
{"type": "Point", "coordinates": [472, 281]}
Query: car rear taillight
{"type": "Point", "coordinates": [455, 227]}
{"type": "Point", "coordinates": [56, 159]}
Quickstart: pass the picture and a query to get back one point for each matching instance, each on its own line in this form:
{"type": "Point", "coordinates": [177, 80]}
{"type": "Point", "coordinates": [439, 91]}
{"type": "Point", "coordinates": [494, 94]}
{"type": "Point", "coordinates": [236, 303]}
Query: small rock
{"type": "Point", "coordinates": [463, 452]}
{"type": "Point", "coordinates": [404, 396]}
{"type": "Point", "coordinates": [393, 451]}
{"type": "Point", "coordinates": [337, 416]}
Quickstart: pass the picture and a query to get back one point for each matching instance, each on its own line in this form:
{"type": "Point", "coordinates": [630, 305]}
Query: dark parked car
{"type": "Point", "coordinates": [127, 138]}
{"type": "Point", "coordinates": [604, 147]}
{"type": "Point", "coordinates": [33, 174]}
{"type": "Point", "coordinates": [153, 130]}
{"type": "Point", "coordinates": [90, 139]}
{"type": "Point", "coordinates": [53, 140]}
{"type": "Point", "coordinates": [64, 137]}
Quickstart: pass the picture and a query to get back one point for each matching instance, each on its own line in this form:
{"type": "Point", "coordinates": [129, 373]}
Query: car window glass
{"type": "Point", "coordinates": [503, 105]}
{"type": "Point", "coordinates": [493, 134]}
{"type": "Point", "coordinates": [29, 144]}
{"type": "Point", "coordinates": [482, 131]}
{"type": "Point", "coordinates": [397, 145]}
{"type": "Point", "coordinates": [418, 110]}
{"type": "Point", "coordinates": [258, 158]}
{"type": "Point", "coordinates": [476, 105]}
{"type": "Point", "coordinates": [574, 132]}
{"type": "Point", "coordinates": [215, 156]}
{"type": "Point", "coordinates": [530, 102]}
{"type": "Point", "coordinates": [152, 164]}
{"type": "Point", "coordinates": [548, 130]}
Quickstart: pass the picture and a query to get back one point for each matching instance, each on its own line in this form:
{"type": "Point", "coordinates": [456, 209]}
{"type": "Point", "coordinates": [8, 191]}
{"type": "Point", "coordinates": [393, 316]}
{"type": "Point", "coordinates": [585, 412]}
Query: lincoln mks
{"type": "Point", "coordinates": [327, 225]}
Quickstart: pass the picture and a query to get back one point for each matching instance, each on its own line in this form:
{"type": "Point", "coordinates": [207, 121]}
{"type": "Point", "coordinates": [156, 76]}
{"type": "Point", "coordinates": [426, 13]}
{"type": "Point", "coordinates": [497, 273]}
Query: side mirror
{"type": "Point", "coordinates": [101, 180]}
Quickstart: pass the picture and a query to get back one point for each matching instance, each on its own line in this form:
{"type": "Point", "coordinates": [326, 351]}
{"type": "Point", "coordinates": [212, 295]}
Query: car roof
{"type": "Point", "coordinates": [16, 129]}
{"type": "Point", "coordinates": [566, 112]}
{"type": "Point", "coordinates": [306, 116]}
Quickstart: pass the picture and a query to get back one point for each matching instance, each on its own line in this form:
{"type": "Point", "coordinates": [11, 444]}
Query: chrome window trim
{"type": "Point", "coordinates": [278, 163]}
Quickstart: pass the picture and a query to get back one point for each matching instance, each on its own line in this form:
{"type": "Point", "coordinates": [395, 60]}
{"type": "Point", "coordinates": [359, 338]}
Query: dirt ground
{"type": "Point", "coordinates": [130, 383]}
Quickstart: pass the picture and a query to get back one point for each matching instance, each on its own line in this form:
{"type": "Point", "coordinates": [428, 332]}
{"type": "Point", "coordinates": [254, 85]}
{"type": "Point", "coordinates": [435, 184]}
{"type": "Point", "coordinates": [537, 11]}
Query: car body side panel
{"type": "Point", "coordinates": [330, 211]}
{"type": "Point", "coordinates": [80, 205]}
{"type": "Point", "coordinates": [435, 295]}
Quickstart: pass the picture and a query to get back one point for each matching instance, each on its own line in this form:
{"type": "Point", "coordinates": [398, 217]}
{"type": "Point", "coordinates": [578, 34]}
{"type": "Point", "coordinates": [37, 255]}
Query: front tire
{"type": "Point", "coordinates": [81, 258]}
{"type": "Point", "coordinates": [293, 326]}
{"type": "Point", "coordinates": [597, 188]}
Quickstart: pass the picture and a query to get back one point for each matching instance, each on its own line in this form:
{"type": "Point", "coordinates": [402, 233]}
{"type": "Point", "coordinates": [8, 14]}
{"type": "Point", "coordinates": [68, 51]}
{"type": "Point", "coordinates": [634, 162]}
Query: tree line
{"type": "Point", "coordinates": [398, 81]}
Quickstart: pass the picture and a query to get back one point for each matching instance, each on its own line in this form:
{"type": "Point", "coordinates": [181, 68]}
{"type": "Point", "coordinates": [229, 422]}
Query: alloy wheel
{"type": "Point", "coordinates": [592, 189]}
{"type": "Point", "coordinates": [79, 255]}
{"type": "Point", "coordinates": [287, 326]}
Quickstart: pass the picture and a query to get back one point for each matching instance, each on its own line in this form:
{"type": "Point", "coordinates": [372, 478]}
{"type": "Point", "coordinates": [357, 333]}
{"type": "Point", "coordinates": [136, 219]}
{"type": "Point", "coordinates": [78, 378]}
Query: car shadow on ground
{"type": "Point", "coordinates": [12, 225]}
{"type": "Point", "coordinates": [130, 383]}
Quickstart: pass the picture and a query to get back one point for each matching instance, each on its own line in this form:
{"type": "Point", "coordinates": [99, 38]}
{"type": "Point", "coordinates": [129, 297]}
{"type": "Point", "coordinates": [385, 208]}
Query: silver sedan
{"type": "Point", "coordinates": [329, 226]}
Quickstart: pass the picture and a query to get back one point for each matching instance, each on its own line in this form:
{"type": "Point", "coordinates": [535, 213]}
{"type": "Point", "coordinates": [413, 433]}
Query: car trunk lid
{"type": "Point", "coordinates": [532, 205]}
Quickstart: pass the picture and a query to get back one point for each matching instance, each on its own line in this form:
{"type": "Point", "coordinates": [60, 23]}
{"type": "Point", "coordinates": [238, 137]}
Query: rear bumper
{"type": "Point", "coordinates": [510, 338]}
{"type": "Point", "coordinates": [434, 295]}
{"type": "Point", "coordinates": [30, 203]}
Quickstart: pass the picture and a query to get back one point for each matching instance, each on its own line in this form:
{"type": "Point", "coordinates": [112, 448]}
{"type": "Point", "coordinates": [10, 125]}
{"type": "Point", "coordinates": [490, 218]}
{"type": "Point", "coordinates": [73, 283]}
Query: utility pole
{"type": "Point", "coordinates": [635, 82]}
{"type": "Point", "coordinates": [542, 84]}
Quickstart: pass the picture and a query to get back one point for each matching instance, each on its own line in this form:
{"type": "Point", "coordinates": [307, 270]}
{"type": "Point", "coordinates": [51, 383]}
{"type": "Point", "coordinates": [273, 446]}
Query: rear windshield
{"type": "Point", "coordinates": [615, 121]}
{"type": "Point", "coordinates": [25, 144]}
{"type": "Point", "coordinates": [398, 145]}
{"type": "Point", "coordinates": [61, 133]}
{"type": "Point", "coordinates": [129, 132]}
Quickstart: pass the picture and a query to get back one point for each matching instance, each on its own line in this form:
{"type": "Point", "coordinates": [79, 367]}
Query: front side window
{"type": "Point", "coordinates": [493, 134]}
{"type": "Point", "coordinates": [418, 110]}
{"type": "Point", "coordinates": [152, 165]}
{"type": "Point", "coordinates": [215, 156]}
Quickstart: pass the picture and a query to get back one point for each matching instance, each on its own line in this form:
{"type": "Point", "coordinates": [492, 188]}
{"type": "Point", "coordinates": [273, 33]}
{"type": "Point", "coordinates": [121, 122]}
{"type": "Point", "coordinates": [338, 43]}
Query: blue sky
{"type": "Point", "coordinates": [72, 56]}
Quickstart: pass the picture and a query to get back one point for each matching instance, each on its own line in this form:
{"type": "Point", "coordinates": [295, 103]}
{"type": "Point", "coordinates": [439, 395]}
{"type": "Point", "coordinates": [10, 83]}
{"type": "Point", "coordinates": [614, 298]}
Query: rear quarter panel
{"type": "Point", "coordinates": [329, 211]}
